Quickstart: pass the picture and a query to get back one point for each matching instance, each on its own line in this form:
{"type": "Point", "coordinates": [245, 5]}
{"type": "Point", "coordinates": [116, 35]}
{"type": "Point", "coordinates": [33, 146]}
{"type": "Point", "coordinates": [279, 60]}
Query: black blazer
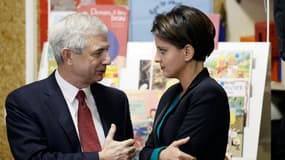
{"type": "Point", "coordinates": [202, 113]}
{"type": "Point", "coordinates": [39, 125]}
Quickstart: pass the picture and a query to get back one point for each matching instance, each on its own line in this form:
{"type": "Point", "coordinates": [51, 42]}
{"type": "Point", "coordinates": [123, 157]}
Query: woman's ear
{"type": "Point", "coordinates": [66, 56]}
{"type": "Point", "coordinates": [189, 52]}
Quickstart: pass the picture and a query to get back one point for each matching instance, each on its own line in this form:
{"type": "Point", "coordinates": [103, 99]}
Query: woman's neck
{"type": "Point", "coordinates": [190, 73]}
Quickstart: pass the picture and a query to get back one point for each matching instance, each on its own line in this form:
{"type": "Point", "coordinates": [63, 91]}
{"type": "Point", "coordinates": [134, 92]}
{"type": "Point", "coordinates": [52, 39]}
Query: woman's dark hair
{"type": "Point", "coordinates": [186, 25]}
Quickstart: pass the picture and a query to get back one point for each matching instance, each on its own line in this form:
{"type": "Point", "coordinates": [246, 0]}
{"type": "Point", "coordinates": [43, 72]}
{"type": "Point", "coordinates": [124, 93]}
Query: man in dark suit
{"type": "Point", "coordinates": [43, 118]}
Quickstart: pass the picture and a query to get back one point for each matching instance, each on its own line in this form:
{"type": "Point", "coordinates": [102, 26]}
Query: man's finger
{"type": "Point", "coordinates": [180, 142]}
{"type": "Point", "coordinates": [111, 132]}
{"type": "Point", "coordinates": [128, 142]}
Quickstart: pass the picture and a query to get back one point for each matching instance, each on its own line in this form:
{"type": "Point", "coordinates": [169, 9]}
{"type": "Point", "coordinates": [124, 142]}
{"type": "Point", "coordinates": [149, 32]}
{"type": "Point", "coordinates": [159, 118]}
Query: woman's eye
{"type": "Point", "coordinates": [162, 51]}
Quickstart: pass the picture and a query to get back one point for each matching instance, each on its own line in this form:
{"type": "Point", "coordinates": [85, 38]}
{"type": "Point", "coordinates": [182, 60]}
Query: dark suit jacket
{"type": "Point", "coordinates": [39, 124]}
{"type": "Point", "coordinates": [202, 113]}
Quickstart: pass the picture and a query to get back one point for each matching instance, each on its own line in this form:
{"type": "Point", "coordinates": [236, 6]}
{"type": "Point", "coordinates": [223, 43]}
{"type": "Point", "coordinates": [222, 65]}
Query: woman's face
{"type": "Point", "coordinates": [171, 59]}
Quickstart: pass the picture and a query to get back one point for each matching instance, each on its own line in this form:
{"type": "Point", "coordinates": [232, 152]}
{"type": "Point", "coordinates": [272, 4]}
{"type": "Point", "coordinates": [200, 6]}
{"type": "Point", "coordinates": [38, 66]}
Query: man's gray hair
{"type": "Point", "coordinates": [72, 32]}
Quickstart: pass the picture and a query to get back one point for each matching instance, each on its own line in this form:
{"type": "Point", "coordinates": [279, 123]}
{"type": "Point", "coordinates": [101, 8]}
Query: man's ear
{"type": "Point", "coordinates": [66, 56]}
{"type": "Point", "coordinates": [189, 52]}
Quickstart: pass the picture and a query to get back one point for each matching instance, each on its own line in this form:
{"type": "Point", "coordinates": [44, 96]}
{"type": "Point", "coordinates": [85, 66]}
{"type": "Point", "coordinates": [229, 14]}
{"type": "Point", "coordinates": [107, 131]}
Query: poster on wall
{"type": "Point", "coordinates": [117, 20]}
{"type": "Point", "coordinates": [143, 13]}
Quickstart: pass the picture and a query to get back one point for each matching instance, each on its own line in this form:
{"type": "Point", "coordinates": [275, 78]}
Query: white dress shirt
{"type": "Point", "coordinates": [69, 92]}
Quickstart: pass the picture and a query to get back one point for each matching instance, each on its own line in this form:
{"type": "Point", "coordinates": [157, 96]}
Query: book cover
{"type": "Point", "coordinates": [47, 63]}
{"type": "Point", "coordinates": [230, 64]}
{"type": "Point", "coordinates": [144, 74]}
{"type": "Point", "coordinates": [237, 91]}
{"type": "Point", "coordinates": [143, 104]}
{"type": "Point", "coordinates": [158, 80]}
{"type": "Point", "coordinates": [117, 20]}
{"type": "Point", "coordinates": [143, 12]}
{"type": "Point", "coordinates": [111, 77]}
{"type": "Point", "coordinates": [232, 69]}
{"type": "Point", "coordinates": [216, 19]}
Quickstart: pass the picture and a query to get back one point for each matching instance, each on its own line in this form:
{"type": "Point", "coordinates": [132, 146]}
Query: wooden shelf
{"type": "Point", "coordinates": [277, 86]}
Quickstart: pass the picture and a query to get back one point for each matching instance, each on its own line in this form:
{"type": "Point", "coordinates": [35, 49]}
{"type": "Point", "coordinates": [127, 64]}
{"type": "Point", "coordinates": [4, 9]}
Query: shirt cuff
{"type": "Point", "coordinates": [155, 153]}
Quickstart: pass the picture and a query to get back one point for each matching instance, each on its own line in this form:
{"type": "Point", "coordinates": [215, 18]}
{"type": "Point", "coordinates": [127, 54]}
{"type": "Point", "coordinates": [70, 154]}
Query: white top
{"type": "Point", "coordinates": [69, 92]}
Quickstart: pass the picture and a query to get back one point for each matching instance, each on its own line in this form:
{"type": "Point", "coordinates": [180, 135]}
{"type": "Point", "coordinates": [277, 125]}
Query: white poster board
{"type": "Point", "coordinates": [259, 81]}
{"type": "Point", "coordinates": [256, 142]}
{"type": "Point", "coordinates": [136, 51]}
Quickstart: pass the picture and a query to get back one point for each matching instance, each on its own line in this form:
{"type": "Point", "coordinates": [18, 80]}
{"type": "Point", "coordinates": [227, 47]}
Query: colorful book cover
{"type": "Point", "coordinates": [230, 64]}
{"type": "Point", "coordinates": [56, 16]}
{"type": "Point", "coordinates": [117, 20]}
{"type": "Point", "coordinates": [62, 5]}
{"type": "Point", "coordinates": [216, 19]}
{"type": "Point", "coordinates": [233, 69]}
{"type": "Point", "coordinates": [111, 77]}
{"type": "Point", "coordinates": [143, 106]}
{"type": "Point", "coordinates": [143, 13]}
{"type": "Point", "coordinates": [100, 2]}
{"type": "Point", "coordinates": [47, 63]}
{"type": "Point", "coordinates": [158, 80]}
{"type": "Point", "coordinates": [237, 91]}
{"type": "Point", "coordinates": [144, 74]}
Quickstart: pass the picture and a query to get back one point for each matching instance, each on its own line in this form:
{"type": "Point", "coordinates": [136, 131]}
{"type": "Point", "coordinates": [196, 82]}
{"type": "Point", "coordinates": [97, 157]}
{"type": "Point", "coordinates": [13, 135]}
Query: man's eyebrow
{"type": "Point", "coordinates": [103, 47]}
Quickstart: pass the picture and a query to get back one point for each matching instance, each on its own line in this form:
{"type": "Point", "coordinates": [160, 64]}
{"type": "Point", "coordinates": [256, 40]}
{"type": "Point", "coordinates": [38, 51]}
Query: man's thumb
{"type": "Point", "coordinates": [111, 132]}
{"type": "Point", "coordinates": [180, 142]}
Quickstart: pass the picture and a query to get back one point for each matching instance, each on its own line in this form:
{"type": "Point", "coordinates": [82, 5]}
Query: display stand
{"type": "Point", "coordinates": [257, 135]}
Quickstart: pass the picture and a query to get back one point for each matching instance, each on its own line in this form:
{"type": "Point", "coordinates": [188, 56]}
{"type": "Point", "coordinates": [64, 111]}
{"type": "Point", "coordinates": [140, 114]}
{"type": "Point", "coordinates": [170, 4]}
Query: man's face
{"type": "Point", "coordinates": [90, 66]}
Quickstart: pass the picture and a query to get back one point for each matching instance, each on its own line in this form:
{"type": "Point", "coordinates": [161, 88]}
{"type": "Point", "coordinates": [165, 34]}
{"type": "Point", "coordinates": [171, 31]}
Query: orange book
{"type": "Point", "coordinates": [247, 38]}
{"type": "Point", "coordinates": [117, 20]}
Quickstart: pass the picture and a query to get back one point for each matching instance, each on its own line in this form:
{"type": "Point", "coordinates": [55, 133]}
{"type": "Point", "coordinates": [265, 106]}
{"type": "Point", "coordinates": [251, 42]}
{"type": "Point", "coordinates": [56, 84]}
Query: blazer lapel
{"type": "Point", "coordinates": [164, 105]}
{"type": "Point", "coordinates": [57, 104]}
{"type": "Point", "coordinates": [98, 94]}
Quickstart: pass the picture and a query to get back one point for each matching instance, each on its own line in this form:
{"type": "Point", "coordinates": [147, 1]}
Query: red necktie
{"type": "Point", "coordinates": [87, 132]}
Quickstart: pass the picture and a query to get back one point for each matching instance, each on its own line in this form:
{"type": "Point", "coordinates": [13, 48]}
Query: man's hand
{"type": "Point", "coordinates": [172, 152]}
{"type": "Point", "coordinates": [116, 150]}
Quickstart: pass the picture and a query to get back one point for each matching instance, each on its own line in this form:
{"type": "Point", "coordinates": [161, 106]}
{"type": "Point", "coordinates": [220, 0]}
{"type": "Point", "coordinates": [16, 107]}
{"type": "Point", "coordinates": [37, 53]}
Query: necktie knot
{"type": "Point", "coordinates": [80, 96]}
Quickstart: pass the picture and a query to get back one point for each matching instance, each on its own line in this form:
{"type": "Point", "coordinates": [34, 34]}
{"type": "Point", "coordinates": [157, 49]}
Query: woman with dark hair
{"type": "Point", "coordinates": [197, 106]}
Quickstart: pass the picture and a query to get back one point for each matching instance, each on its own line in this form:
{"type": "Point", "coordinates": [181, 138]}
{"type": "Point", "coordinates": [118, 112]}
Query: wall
{"type": "Point", "coordinates": [12, 59]}
{"type": "Point", "coordinates": [241, 17]}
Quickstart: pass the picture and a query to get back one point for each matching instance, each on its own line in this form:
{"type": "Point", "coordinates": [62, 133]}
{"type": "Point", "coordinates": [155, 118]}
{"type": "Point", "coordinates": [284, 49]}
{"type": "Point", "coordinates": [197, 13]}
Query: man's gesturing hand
{"type": "Point", "coordinates": [117, 150]}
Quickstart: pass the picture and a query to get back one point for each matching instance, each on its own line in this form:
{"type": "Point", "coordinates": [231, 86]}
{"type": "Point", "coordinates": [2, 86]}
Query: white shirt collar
{"type": "Point", "coordinates": [69, 90]}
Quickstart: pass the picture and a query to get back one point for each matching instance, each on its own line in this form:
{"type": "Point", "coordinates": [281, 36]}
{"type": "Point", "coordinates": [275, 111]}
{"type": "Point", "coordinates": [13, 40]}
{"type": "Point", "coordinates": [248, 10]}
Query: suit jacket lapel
{"type": "Point", "coordinates": [57, 104]}
{"type": "Point", "coordinates": [98, 94]}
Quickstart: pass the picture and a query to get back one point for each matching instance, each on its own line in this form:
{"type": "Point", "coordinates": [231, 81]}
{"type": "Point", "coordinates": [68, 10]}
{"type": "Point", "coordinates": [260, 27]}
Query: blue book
{"type": "Point", "coordinates": [143, 12]}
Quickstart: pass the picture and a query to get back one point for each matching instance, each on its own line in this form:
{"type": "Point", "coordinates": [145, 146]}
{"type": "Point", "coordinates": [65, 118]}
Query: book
{"type": "Point", "coordinates": [237, 91]}
{"type": "Point", "coordinates": [230, 64]}
{"type": "Point", "coordinates": [144, 74]}
{"type": "Point", "coordinates": [158, 80]}
{"type": "Point", "coordinates": [47, 63]}
{"type": "Point", "coordinates": [143, 13]}
{"type": "Point", "coordinates": [143, 104]}
{"type": "Point", "coordinates": [232, 69]}
{"type": "Point", "coordinates": [117, 20]}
